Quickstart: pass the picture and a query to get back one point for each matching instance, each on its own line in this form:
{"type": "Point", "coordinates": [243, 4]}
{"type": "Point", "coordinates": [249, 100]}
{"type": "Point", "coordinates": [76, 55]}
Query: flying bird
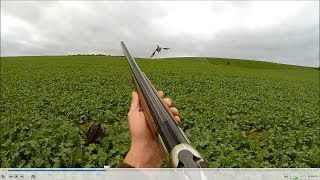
{"type": "Point", "coordinates": [158, 49]}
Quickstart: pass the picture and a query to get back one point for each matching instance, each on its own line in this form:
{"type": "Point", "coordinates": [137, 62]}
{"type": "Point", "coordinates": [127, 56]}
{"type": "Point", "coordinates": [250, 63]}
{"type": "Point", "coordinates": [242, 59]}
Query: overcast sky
{"type": "Point", "coordinates": [283, 32]}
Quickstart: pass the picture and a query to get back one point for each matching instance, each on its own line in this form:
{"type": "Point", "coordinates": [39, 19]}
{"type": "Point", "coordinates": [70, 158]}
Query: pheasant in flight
{"type": "Point", "coordinates": [158, 49]}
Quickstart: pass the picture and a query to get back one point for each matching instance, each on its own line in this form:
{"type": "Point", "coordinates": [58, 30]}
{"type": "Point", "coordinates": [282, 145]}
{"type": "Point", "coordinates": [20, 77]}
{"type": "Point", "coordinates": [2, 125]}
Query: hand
{"type": "Point", "coordinates": [145, 152]}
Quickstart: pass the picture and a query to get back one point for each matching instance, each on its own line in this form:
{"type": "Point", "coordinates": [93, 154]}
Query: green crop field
{"type": "Point", "coordinates": [237, 113]}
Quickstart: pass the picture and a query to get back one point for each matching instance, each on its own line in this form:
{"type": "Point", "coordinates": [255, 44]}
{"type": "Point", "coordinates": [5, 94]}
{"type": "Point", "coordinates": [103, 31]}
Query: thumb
{"type": "Point", "coordinates": [135, 103]}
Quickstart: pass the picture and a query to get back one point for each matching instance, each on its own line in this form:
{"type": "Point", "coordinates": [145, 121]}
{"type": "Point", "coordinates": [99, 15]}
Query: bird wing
{"type": "Point", "coordinates": [154, 52]}
{"type": "Point", "coordinates": [165, 48]}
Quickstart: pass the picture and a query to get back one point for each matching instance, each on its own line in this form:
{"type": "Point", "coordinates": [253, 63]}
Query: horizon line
{"type": "Point", "coordinates": [266, 61]}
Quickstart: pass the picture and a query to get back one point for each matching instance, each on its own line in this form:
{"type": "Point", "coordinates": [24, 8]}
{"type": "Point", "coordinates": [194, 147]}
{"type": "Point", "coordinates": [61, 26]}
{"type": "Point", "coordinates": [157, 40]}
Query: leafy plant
{"type": "Point", "coordinates": [246, 114]}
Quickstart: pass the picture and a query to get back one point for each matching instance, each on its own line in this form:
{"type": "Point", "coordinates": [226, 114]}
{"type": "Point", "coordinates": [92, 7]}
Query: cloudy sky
{"type": "Point", "coordinates": [283, 32]}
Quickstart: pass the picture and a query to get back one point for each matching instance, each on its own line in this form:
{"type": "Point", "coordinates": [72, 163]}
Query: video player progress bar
{"type": "Point", "coordinates": [59, 169]}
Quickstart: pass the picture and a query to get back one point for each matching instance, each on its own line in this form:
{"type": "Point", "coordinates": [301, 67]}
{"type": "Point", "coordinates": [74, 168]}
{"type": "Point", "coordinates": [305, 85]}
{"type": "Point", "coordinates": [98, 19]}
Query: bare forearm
{"type": "Point", "coordinates": [143, 156]}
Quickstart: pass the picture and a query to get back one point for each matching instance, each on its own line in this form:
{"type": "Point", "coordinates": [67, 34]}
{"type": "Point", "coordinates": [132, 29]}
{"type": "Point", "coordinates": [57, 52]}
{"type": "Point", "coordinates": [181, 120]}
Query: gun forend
{"type": "Point", "coordinates": [161, 121]}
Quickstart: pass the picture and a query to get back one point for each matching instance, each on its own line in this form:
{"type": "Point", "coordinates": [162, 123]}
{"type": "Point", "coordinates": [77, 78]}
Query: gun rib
{"type": "Point", "coordinates": [166, 126]}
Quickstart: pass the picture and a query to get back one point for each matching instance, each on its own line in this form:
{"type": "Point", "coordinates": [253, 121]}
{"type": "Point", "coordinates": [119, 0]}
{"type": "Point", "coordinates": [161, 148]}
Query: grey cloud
{"type": "Point", "coordinates": [289, 43]}
{"type": "Point", "coordinates": [98, 27]}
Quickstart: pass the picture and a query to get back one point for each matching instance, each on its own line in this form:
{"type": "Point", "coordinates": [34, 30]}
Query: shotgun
{"type": "Point", "coordinates": [160, 120]}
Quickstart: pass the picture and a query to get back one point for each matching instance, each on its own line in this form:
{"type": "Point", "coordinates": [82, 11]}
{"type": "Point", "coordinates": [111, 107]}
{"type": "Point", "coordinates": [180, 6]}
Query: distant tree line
{"type": "Point", "coordinates": [90, 55]}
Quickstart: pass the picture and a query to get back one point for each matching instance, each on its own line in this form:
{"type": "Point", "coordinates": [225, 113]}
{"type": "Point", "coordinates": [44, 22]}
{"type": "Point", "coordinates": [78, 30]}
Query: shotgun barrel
{"type": "Point", "coordinates": [160, 120]}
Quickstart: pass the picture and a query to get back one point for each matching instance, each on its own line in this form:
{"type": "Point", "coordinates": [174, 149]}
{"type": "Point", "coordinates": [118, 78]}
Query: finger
{"type": "Point", "coordinates": [135, 104]}
{"type": "Point", "coordinates": [167, 101]}
{"type": "Point", "coordinates": [160, 93]}
{"type": "Point", "coordinates": [174, 111]}
{"type": "Point", "coordinates": [177, 119]}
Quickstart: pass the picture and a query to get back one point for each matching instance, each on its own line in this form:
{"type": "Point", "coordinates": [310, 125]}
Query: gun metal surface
{"type": "Point", "coordinates": [161, 121]}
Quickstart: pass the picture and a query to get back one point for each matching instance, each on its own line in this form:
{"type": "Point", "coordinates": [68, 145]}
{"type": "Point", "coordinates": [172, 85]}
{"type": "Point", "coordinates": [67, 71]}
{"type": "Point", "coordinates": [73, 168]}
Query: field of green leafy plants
{"type": "Point", "coordinates": [236, 113]}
